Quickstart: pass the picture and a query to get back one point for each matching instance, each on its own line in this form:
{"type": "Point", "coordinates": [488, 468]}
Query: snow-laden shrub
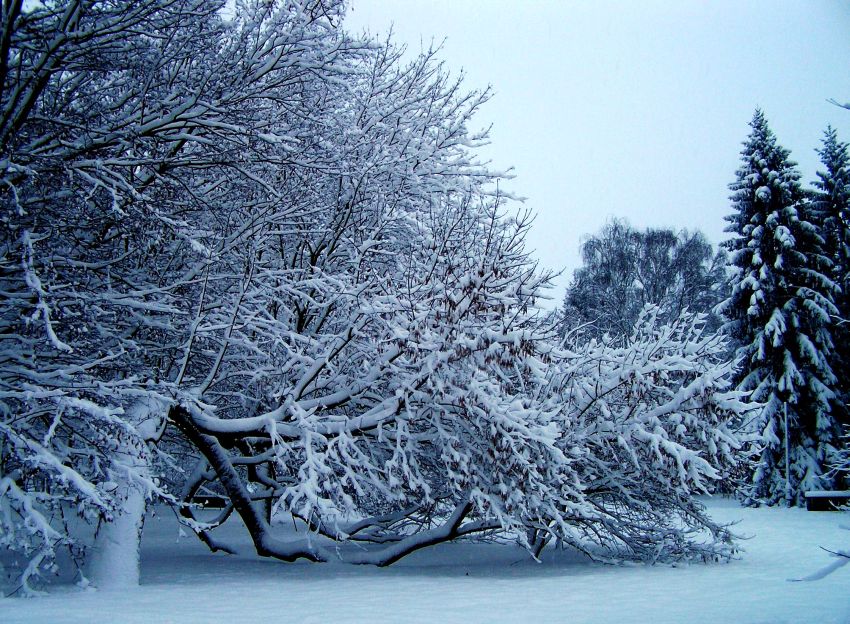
{"type": "Point", "coordinates": [648, 424]}
{"type": "Point", "coordinates": [599, 446]}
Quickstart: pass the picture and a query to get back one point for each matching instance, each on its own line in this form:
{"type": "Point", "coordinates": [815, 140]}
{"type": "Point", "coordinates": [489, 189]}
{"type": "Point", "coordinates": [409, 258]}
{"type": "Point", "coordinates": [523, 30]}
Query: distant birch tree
{"type": "Point", "coordinates": [625, 269]}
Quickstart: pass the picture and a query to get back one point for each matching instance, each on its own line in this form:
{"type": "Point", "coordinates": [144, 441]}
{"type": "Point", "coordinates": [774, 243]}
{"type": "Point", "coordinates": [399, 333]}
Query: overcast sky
{"type": "Point", "coordinates": [630, 108]}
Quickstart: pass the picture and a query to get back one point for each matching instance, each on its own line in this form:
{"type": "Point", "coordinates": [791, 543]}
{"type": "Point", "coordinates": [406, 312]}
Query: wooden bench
{"type": "Point", "coordinates": [827, 500]}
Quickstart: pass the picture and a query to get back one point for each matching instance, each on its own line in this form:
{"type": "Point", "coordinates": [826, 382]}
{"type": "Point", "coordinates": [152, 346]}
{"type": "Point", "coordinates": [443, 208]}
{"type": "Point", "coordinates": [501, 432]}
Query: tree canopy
{"type": "Point", "coordinates": [626, 269]}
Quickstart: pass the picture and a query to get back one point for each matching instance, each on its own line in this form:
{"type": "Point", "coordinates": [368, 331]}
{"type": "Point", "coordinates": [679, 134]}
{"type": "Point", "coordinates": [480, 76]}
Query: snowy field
{"type": "Point", "coordinates": [182, 582]}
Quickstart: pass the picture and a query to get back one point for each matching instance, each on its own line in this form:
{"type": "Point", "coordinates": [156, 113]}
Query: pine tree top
{"type": "Point", "coordinates": [834, 157]}
{"type": "Point", "coordinates": [766, 180]}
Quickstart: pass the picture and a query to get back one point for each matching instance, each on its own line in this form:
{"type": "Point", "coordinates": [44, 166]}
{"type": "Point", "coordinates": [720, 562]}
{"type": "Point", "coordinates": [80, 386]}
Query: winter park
{"type": "Point", "coordinates": [424, 311]}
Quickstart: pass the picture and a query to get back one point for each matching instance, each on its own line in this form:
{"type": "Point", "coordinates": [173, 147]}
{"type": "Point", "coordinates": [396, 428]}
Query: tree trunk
{"type": "Point", "coordinates": [114, 560]}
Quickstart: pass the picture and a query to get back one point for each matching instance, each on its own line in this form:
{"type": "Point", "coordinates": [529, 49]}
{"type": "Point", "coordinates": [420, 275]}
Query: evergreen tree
{"type": "Point", "coordinates": [831, 201]}
{"type": "Point", "coordinates": [779, 312]}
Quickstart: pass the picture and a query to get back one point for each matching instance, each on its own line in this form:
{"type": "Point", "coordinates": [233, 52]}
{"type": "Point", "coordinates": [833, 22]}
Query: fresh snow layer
{"type": "Point", "coordinates": [182, 582]}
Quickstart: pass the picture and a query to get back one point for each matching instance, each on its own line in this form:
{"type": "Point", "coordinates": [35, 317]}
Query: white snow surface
{"type": "Point", "coordinates": [183, 582]}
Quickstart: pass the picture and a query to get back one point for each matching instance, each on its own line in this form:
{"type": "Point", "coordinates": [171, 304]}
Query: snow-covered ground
{"type": "Point", "coordinates": [182, 582]}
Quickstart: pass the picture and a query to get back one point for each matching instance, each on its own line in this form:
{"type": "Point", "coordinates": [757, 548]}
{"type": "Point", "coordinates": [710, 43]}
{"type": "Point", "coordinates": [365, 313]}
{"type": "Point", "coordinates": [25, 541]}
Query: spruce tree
{"type": "Point", "coordinates": [779, 312]}
{"type": "Point", "coordinates": [831, 201]}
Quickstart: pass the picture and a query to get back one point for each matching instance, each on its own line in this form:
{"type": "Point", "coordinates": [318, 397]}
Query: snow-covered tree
{"type": "Point", "coordinates": [413, 398]}
{"type": "Point", "coordinates": [831, 214]}
{"type": "Point", "coordinates": [779, 314]}
{"type": "Point", "coordinates": [832, 203]}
